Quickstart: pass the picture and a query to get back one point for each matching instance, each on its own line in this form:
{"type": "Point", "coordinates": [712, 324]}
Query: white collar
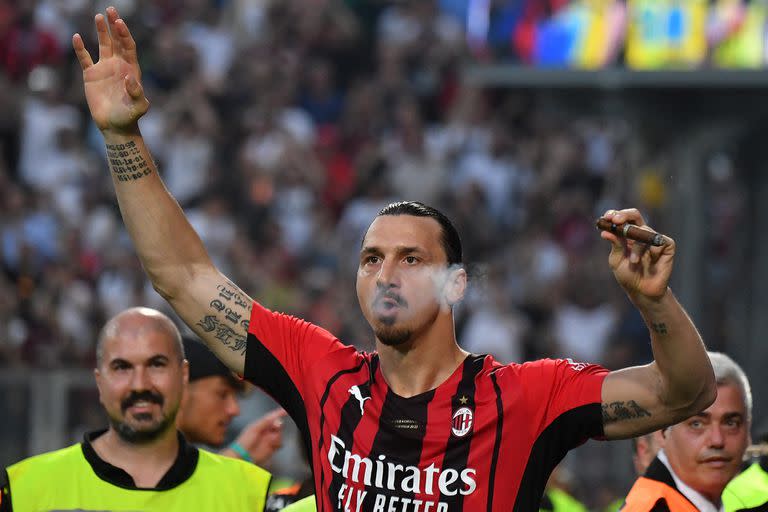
{"type": "Point", "coordinates": [701, 503]}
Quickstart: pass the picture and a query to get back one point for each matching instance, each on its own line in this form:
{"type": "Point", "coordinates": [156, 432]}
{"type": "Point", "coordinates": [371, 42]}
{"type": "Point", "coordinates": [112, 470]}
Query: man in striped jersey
{"type": "Point", "coordinates": [419, 425]}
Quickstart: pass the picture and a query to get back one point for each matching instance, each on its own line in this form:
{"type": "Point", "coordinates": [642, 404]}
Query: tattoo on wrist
{"type": "Point", "coordinates": [127, 162]}
{"type": "Point", "coordinates": [659, 327]}
{"type": "Point", "coordinates": [620, 411]}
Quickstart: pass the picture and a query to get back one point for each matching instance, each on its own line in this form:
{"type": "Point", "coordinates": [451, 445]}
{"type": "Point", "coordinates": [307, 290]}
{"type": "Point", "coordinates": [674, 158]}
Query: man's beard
{"type": "Point", "coordinates": [391, 336]}
{"type": "Point", "coordinates": [133, 435]}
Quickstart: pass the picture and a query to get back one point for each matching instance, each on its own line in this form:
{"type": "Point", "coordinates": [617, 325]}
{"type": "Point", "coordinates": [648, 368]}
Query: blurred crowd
{"type": "Point", "coordinates": [282, 127]}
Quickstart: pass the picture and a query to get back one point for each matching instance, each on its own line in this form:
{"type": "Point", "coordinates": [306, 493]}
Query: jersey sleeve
{"type": "Point", "coordinates": [571, 394]}
{"type": "Point", "coordinates": [282, 349]}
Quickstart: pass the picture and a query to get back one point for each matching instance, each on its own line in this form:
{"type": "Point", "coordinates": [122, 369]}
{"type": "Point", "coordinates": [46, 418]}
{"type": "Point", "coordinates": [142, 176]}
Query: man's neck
{"type": "Point", "coordinates": [147, 463]}
{"type": "Point", "coordinates": [422, 364]}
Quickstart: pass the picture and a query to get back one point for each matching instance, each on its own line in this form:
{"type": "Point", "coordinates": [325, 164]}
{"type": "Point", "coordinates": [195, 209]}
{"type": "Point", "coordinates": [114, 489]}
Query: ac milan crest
{"type": "Point", "coordinates": [462, 422]}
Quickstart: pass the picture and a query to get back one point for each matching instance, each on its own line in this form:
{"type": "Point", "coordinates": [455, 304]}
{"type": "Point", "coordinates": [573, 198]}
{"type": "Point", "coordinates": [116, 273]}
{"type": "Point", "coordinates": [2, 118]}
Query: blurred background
{"type": "Point", "coordinates": [283, 126]}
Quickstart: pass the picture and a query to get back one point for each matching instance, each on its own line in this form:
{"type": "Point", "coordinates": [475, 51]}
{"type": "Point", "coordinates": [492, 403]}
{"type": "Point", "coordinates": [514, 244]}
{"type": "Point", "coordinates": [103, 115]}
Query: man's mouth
{"type": "Point", "coordinates": [141, 406]}
{"type": "Point", "coordinates": [717, 462]}
{"type": "Point", "coordinates": [141, 402]}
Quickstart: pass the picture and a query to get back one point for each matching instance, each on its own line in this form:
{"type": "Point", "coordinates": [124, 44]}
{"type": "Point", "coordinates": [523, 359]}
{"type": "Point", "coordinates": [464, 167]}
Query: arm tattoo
{"type": "Point", "coordinates": [225, 334]}
{"type": "Point", "coordinates": [229, 306]}
{"type": "Point", "coordinates": [127, 162]}
{"type": "Point", "coordinates": [620, 411]}
{"type": "Point", "coordinates": [233, 295]}
{"type": "Point", "coordinates": [659, 328]}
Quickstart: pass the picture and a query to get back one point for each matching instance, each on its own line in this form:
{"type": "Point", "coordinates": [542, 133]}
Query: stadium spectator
{"type": "Point", "coordinates": [701, 454]}
{"type": "Point", "coordinates": [210, 403]}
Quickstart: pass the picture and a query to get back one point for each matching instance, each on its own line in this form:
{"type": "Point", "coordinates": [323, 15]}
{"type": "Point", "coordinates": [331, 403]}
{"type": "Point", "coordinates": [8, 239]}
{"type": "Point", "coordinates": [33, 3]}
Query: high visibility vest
{"type": "Point", "coordinates": [64, 480]}
{"type": "Point", "coordinates": [646, 492]}
{"type": "Point", "coordinates": [564, 502]}
{"type": "Point", "coordinates": [749, 490]}
{"type": "Point", "coordinates": [303, 505]}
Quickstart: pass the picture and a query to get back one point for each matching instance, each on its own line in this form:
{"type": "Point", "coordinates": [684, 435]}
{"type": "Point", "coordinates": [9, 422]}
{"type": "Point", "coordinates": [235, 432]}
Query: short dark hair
{"type": "Point", "coordinates": [450, 239]}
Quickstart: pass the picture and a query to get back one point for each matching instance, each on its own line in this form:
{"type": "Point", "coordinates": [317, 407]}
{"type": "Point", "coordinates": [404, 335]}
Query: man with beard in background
{"type": "Point", "coordinates": [141, 462]}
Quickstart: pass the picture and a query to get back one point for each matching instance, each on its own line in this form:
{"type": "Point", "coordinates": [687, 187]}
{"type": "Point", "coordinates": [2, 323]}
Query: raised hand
{"type": "Point", "coordinates": [642, 270]}
{"type": "Point", "coordinates": [113, 84]}
{"type": "Point", "coordinates": [263, 437]}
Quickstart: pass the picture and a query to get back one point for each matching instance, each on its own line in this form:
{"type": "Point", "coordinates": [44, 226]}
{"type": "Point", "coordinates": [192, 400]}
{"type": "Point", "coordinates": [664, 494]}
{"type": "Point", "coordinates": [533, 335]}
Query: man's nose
{"type": "Point", "coordinates": [233, 406]}
{"type": "Point", "coordinates": [716, 437]}
{"type": "Point", "coordinates": [140, 379]}
{"type": "Point", "coordinates": [388, 274]}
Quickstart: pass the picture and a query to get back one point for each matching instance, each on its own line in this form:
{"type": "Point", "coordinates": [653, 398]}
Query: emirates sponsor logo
{"type": "Point", "coordinates": [375, 481]}
{"type": "Point", "coordinates": [462, 422]}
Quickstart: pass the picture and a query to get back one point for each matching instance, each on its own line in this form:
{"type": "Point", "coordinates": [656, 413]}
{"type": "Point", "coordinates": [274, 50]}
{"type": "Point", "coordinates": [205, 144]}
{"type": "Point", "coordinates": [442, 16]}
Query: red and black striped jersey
{"type": "Point", "coordinates": [486, 439]}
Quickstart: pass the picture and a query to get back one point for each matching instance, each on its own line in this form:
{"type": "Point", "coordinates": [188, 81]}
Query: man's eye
{"type": "Point", "coordinates": [371, 260]}
{"type": "Point", "coordinates": [411, 260]}
{"type": "Point", "coordinates": [696, 424]}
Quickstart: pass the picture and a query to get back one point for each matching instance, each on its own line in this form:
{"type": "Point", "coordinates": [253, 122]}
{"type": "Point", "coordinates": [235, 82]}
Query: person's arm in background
{"type": "Point", "coordinates": [680, 381]}
{"type": "Point", "coordinates": [260, 439]}
{"type": "Point", "coordinates": [170, 250]}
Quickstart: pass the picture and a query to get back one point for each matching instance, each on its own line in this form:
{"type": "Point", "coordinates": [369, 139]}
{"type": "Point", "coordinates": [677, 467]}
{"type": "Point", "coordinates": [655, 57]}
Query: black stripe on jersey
{"type": "Point", "coordinates": [324, 399]}
{"type": "Point", "coordinates": [457, 449]}
{"type": "Point", "coordinates": [267, 372]}
{"type": "Point", "coordinates": [497, 441]}
{"type": "Point", "coordinates": [400, 438]}
{"type": "Point", "coordinates": [567, 431]}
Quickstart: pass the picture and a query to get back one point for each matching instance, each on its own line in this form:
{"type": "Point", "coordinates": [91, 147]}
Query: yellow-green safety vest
{"type": "Point", "coordinates": [64, 480]}
{"type": "Point", "coordinates": [303, 505]}
{"type": "Point", "coordinates": [564, 502]}
{"type": "Point", "coordinates": [748, 490]}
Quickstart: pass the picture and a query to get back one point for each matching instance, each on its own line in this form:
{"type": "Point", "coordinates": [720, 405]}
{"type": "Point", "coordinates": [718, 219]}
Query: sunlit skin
{"type": "Point", "coordinates": [406, 291]}
{"type": "Point", "coordinates": [208, 407]}
{"type": "Point", "coordinates": [706, 450]}
{"type": "Point", "coordinates": [141, 379]}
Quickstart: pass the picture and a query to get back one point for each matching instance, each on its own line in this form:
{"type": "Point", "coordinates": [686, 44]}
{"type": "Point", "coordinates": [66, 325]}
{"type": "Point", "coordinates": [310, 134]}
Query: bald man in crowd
{"type": "Point", "coordinates": [140, 461]}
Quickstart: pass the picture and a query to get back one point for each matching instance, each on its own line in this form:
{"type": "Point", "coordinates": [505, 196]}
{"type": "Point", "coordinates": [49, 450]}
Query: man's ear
{"type": "Point", "coordinates": [455, 285]}
{"type": "Point", "coordinates": [97, 378]}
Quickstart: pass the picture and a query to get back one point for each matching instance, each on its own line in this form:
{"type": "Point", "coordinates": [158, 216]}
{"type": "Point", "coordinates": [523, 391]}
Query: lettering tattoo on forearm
{"type": "Point", "coordinates": [127, 162]}
{"type": "Point", "coordinates": [225, 334]}
{"type": "Point", "coordinates": [620, 411]}
{"type": "Point", "coordinates": [229, 306]}
{"type": "Point", "coordinates": [659, 328]}
{"type": "Point", "coordinates": [233, 295]}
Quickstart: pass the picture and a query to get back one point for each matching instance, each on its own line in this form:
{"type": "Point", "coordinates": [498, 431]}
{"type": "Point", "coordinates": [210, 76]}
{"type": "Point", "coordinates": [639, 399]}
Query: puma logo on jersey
{"type": "Point", "coordinates": [355, 392]}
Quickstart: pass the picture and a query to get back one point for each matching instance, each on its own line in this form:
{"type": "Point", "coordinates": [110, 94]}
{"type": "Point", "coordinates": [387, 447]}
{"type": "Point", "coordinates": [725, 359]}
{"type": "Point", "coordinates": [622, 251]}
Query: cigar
{"type": "Point", "coordinates": [632, 232]}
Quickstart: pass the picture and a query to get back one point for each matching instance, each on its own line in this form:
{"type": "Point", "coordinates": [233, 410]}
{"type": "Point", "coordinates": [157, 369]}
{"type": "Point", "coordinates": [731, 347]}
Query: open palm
{"type": "Point", "coordinates": [112, 85]}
